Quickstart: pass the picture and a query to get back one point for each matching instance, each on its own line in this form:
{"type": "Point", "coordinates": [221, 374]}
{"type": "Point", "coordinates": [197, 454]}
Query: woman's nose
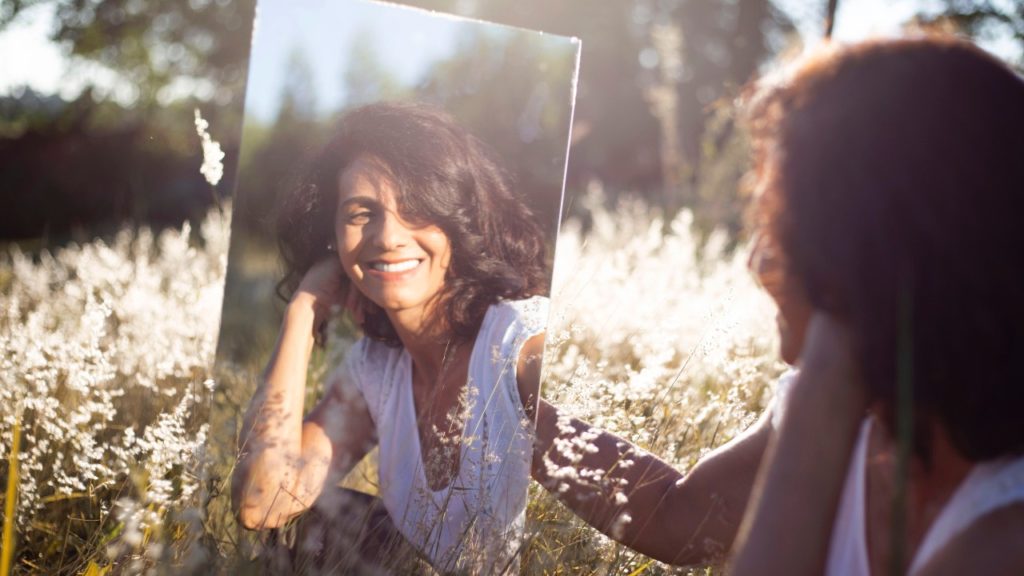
{"type": "Point", "coordinates": [392, 232]}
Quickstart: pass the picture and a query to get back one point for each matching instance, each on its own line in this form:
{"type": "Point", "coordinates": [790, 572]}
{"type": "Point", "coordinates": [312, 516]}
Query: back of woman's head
{"type": "Point", "coordinates": [892, 179]}
{"type": "Point", "coordinates": [442, 175]}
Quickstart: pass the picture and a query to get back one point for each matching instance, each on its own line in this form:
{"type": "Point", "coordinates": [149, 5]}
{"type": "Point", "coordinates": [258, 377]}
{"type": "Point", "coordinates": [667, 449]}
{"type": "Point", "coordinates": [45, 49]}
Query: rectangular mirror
{"type": "Point", "coordinates": [418, 159]}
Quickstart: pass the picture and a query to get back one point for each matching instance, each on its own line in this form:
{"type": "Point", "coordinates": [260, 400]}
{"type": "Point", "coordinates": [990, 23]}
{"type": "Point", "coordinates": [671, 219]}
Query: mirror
{"type": "Point", "coordinates": [393, 111]}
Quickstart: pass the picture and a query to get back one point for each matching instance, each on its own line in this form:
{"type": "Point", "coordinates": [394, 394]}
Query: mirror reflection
{"type": "Point", "coordinates": [387, 287]}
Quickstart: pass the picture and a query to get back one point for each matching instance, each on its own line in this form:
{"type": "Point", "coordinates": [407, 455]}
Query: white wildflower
{"type": "Point", "coordinates": [106, 344]}
{"type": "Point", "coordinates": [619, 525]}
{"type": "Point", "coordinates": [213, 167]}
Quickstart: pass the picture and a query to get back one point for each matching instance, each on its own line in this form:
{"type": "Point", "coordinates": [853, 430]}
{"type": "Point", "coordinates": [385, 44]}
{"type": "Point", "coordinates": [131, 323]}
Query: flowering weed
{"type": "Point", "coordinates": [657, 336]}
{"type": "Point", "coordinates": [104, 349]}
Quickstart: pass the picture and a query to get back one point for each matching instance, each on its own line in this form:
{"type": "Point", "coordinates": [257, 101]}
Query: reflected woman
{"type": "Point", "coordinates": [405, 221]}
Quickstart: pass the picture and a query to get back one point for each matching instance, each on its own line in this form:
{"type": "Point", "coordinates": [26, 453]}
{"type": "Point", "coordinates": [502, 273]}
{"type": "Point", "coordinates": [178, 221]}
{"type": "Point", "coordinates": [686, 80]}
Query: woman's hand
{"type": "Point", "coordinates": [828, 354]}
{"type": "Point", "coordinates": [321, 289]}
{"type": "Point", "coordinates": [324, 290]}
{"type": "Point", "coordinates": [789, 523]}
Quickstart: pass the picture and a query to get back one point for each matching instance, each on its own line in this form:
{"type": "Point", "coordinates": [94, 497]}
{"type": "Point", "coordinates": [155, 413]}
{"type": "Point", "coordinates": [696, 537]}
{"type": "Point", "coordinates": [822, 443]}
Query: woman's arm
{"type": "Point", "coordinates": [285, 460]}
{"type": "Point", "coordinates": [789, 527]}
{"type": "Point", "coordinates": [641, 501]}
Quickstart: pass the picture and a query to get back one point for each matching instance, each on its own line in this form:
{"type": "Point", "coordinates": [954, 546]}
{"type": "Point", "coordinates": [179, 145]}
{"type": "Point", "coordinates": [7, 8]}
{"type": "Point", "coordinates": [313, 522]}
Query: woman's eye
{"type": "Point", "coordinates": [360, 217]}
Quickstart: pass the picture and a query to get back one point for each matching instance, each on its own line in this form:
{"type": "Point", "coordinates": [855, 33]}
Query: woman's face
{"type": "Point", "coordinates": [399, 265]}
{"type": "Point", "coordinates": [794, 311]}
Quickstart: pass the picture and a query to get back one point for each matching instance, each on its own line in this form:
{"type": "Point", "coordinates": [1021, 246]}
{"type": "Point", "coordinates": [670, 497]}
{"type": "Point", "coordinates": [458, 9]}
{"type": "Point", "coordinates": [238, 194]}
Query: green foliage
{"type": "Point", "coordinates": [155, 43]}
{"type": "Point", "coordinates": [526, 78]}
{"type": "Point", "coordinates": [83, 168]}
{"type": "Point", "coordinates": [366, 79]}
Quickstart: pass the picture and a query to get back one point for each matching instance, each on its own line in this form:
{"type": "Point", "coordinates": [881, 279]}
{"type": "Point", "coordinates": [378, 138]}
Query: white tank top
{"type": "Point", "coordinates": [476, 522]}
{"type": "Point", "coordinates": [990, 485]}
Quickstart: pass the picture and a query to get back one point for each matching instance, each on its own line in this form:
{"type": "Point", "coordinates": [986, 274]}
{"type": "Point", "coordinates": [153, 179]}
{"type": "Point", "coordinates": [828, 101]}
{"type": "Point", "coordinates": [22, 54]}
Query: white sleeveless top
{"type": "Point", "coordinates": [475, 523]}
{"type": "Point", "coordinates": [990, 485]}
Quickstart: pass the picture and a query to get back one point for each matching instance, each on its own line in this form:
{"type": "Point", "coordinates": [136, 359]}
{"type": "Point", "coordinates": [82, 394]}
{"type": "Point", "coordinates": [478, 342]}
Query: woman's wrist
{"type": "Point", "coordinates": [301, 315]}
{"type": "Point", "coordinates": [828, 366]}
{"type": "Point", "coordinates": [301, 305]}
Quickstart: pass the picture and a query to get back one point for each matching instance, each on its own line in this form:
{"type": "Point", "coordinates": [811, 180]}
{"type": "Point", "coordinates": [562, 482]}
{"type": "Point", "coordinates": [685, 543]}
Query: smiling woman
{"type": "Point", "coordinates": [406, 221]}
{"type": "Point", "coordinates": [397, 265]}
{"type": "Point", "coordinates": [402, 173]}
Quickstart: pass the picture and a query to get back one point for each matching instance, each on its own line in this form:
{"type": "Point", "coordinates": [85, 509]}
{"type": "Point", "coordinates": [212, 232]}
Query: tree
{"type": "Point", "coordinates": [722, 44]}
{"type": "Point", "coordinates": [271, 157]}
{"type": "Point", "coordinates": [984, 20]}
{"type": "Point", "coordinates": [365, 79]}
{"type": "Point", "coordinates": [155, 43]}
{"type": "Point", "coordinates": [509, 90]}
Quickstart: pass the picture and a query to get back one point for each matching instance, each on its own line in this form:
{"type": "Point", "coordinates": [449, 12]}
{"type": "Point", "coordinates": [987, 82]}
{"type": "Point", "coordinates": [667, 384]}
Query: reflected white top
{"type": "Point", "coordinates": [990, 485]}
{"type": "Point", "coordinates": [476, 522]}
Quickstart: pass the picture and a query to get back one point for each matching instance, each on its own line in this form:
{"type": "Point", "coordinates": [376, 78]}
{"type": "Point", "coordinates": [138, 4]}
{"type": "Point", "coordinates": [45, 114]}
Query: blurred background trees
{"type": "Point", "coordinates": [653, 116]}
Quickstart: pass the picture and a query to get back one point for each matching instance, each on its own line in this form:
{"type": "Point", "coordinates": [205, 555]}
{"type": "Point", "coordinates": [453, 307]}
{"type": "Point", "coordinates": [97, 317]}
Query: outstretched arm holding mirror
{"type": "Point", "coordinates": [633, 496]}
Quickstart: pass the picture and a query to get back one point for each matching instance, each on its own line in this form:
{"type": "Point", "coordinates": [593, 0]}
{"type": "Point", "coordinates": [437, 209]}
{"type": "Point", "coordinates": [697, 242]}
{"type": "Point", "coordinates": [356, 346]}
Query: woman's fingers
{"type": "Point", "coordinates": [829, 379]}
{"type": "Point", "coordinates": [323, 280]}
{"type": "Point", "coordinates": [322, 286]}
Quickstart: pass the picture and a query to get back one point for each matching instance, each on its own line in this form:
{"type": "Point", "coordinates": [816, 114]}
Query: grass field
{"type": "Point", "coordinates": [107, 350]}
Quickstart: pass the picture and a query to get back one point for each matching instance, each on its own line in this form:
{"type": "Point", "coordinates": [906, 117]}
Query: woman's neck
{"type": "Point", "coordinates": [431, 347]}
{"type": "Point", "coordinates": [929, 488]}
{"type": "Point", "coordinates": [946, 470]}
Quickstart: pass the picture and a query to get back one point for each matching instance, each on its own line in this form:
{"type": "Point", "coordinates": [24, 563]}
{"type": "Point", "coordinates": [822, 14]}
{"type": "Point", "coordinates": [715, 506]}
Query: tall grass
{"type": "Point", "coordinates": [658, 335]}
{"type": "Point", "coordinates": [106, 347]}
{"type": "Point", "coordinates": [10, 497]}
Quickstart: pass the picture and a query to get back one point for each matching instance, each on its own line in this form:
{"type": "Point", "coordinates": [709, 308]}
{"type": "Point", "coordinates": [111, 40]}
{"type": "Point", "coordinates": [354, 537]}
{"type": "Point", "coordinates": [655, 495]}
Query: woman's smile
{"type": "Point", "coordinates": [396, 270]}
{"type": "Point", "coordinates": [392, 271]}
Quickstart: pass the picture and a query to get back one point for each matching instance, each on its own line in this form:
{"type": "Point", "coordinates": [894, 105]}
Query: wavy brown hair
{"type": "Point", "coordinates": [442, 175]}
{"type": "Point", "coordinates": [892, 182]}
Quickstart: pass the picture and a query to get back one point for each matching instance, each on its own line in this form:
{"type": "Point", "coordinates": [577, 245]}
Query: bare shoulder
{"type": "Point", "coordinates": [528, 367]}
{"type": "Point", "coordinates": [991, 545]}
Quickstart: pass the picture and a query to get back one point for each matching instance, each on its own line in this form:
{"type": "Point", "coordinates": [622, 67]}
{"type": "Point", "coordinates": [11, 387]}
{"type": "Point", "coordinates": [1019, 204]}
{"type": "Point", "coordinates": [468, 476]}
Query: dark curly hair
{"type": "Point", "coordinates": [891, 176]}
{"type": "Point", "coordinates": [442, 175]}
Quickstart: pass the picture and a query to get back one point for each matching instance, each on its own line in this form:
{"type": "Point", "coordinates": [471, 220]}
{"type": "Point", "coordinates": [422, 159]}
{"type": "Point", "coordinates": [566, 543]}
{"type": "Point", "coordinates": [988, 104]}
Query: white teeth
{"type": "Point", "coordinates": [395, 266]}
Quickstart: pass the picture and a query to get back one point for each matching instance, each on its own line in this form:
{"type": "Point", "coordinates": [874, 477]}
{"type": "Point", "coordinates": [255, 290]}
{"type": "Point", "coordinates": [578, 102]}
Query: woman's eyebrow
{"type": "Point", "coordinates": [359, 201]}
